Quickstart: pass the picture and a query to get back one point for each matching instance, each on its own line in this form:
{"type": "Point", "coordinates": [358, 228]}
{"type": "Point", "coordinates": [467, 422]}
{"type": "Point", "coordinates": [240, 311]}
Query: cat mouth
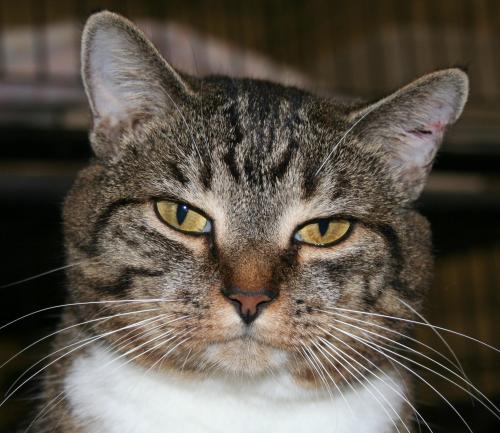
{"type": "Point", "coordinates": [246, 354]}
{"type": "Point", "coordinates": [247, 337]}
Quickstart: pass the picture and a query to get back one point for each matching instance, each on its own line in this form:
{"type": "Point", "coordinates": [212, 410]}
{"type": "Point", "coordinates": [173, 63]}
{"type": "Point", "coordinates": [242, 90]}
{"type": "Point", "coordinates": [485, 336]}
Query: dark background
{"type": "Point", "coordinates": [364, 48]}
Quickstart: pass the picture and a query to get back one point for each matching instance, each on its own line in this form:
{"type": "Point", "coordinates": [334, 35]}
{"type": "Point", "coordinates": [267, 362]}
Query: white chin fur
{"type": "Point", "coordinates": [108, 397]}
{"type": "Point", "coordinates": [245, 357]}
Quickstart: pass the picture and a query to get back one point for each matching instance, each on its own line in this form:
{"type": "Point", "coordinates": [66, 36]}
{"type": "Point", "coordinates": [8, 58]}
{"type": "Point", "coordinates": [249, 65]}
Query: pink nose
{"type": "Point", "coordinates": [249, 304]}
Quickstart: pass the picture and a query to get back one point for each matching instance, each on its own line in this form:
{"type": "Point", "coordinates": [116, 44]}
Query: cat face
{"type": "Point", "coordinates": [238, 226]}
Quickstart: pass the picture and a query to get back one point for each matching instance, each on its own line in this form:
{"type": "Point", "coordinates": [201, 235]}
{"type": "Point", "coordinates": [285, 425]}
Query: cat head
{"type": "Point", "coordinates": [236, 225]}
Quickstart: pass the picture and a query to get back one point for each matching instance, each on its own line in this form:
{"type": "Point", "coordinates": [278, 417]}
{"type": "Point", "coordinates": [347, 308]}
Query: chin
{"type": "Point", "coordinates": [245, 357]}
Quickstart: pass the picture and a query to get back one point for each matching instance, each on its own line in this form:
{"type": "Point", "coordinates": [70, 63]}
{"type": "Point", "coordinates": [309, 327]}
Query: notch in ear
{"type": "Point", "coordinates": [126, 80]}
{"type": "Point", "coordinates": [407, 127]}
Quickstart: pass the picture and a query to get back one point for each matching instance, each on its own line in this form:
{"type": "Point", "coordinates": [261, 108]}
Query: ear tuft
{"type": "Point", "coordinates": [125, 78]}
{"type": "Point", "coordinates": [408, 126]}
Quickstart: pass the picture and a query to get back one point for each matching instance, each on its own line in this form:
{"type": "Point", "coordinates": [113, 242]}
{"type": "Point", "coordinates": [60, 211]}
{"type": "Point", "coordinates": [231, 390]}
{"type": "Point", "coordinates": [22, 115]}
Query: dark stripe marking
{"type": "Point", "coordinates": [282, 167]}
{"type": "Point", "coordinates": [236, 131]}
{"type": "Point", "coordinates": [177, 173]}
{"type": "Point", "coordinates": [392, 240]}
{"type": "Point", "coordinates": [125, 280]}
{"type": "Point", "coordinates": [102, 221]}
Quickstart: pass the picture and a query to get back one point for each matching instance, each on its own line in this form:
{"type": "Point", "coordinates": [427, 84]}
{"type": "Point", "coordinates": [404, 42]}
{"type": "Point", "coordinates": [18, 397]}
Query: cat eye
{"type": "Point", "coordinates": [180, 216]}
{"type": "Point", "coordinates": [323, 232]}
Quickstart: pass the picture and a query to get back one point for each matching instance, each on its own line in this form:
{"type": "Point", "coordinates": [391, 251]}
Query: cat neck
{"type": "Point", "coordinates": [128, 398]}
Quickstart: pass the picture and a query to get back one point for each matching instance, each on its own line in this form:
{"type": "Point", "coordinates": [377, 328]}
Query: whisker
{"type": "Point", "coordinates": [319, 368]}
{"type": "Point", "coordinates": [495, 408]}
{"type": "Point", "coordinates": [76, 304]}
{"type": "Point", "coordinates": [73, 326]}
{"type": "Point", "coordinates": [161, 337]}
{"type": "Point", "coordinates": [407, 401]}
{"type": "Point", "coordinates": [174, 337]}
{"type": "Point", "coordinates": [370, 345]}
{"type": "Point", "coordinates": [125, 354]}
{"type": "Point", "coordinates": [414, 340]}
{"type": "Point", "coordinates": [335, 146]}
{"type": "Point", "coordinates": [188, 127]}
{"type": "Point", "coordinates": [93, 339]}
{"type": "Point", "coordinates": [337, 350]}
{"type": "Point", "coordinates": [318, 347]}
{"type": "Point", "coordinates": [64, 348]}
{"type": "Point", "coordinates": [186, 359]}
{"type": "Point", "coordinates": [414, 322]}
{"type": "Point", "coordinates": [46, 408]}
{"type": "Point", "coordinates": [195, 61]}
{"type": "Point", "coordinates": [42, 274]}
{"type": "Point", "coordinates": [162, 359]}
{"type": "Point", "coordinates": [308, 362]}
{"type": "Point", "coordinates": [437, 333]}
{"type": "Point", "coordinates": [125, 339]}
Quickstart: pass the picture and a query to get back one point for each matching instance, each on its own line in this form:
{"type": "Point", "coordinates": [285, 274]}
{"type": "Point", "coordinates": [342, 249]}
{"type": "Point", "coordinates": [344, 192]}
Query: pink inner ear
{"type": "Point", "coordinates": [433, 128]}
{"type": "Point", "coordinates": [438, 125]}
{"type": "Point", "coordinates": [420, 133]}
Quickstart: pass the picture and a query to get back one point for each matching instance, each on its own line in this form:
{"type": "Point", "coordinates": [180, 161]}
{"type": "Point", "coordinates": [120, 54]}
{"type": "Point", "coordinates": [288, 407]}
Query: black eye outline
{"type": "Point", "coordinates": [350, 220]}
{"type": "Point", "coordinates": [190, 207]}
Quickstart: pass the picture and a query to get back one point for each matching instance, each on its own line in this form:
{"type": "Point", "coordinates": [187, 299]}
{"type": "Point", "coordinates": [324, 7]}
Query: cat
{"type": "Point", "coordinates": [239, 250]}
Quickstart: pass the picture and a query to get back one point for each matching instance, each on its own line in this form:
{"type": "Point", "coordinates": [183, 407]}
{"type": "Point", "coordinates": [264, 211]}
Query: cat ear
{"type": "Point", "coordinates": [408, 126]}
{"type": "Point", "coordinates": [125, 78]}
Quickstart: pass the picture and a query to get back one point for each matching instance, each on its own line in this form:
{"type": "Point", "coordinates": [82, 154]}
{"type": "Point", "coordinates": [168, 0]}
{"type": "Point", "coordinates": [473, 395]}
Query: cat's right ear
{"type": "Point", "coordinates": [126, 80]}
{"type": "Point", "coordinates": [406, 128]}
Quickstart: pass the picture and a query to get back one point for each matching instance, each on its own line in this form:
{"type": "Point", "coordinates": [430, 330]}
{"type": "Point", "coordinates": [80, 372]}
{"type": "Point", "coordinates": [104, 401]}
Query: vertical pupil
{"type": "Point", "coordinates": [323, 226]}
{"type": "Point", "coordinates": [181, 213]}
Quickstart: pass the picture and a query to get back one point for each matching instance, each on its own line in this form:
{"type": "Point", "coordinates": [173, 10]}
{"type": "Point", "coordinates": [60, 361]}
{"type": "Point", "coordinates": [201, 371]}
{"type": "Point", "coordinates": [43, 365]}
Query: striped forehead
{"type": "Point", "coordinates": [265, 126]}
{"type": "Point", "coordinates": [262, 151]}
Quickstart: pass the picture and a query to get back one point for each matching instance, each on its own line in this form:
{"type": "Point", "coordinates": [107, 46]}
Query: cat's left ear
{"type": "Point", "coordinates": [126, 80]}
{"type": "Point", "coordinates": [407, 127]}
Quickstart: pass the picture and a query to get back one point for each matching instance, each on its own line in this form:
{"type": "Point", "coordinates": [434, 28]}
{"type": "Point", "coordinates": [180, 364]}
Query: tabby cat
{"type": "Point", "coordinates": [237, 249]}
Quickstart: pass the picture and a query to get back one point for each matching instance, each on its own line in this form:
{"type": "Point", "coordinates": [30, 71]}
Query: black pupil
{"type": "Point", "coordinates": [323, 226]}
{"type": "Point", "coordinates": [182, 211]}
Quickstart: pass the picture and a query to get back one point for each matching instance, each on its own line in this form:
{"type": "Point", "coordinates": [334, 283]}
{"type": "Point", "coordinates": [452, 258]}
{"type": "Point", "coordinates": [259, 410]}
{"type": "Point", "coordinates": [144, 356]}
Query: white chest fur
{"type": "Point", "coordinates": [127, 399]}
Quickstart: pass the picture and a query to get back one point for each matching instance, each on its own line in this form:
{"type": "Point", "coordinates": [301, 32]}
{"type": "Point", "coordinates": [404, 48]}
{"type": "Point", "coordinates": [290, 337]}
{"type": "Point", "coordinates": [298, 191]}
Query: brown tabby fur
{"type": "Point", "coordinates": [246, 153]}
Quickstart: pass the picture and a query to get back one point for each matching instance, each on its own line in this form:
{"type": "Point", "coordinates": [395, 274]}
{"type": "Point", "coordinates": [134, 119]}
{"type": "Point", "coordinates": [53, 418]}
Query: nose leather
{"type": "Point", "coordinates": [249, 304]}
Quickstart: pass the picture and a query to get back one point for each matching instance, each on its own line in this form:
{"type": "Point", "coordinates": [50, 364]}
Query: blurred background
{"type": "Point", "coordinates": [361, 48]}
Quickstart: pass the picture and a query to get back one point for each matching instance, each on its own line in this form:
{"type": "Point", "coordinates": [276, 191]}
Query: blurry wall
{"type": "Point", "coordinates": [360, 47]}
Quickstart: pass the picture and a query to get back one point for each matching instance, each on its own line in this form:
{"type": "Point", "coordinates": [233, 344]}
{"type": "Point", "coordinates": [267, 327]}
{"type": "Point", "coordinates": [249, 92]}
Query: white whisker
{"type": "Point", "coordinates": [51, 271]}
{"type": "Point", "coordinates": [188, 127]}
{"type": "Point", "coordinates": [60, 350]}
{"type": "Point", "coordinates": [308, 362]}
{"type": "Point", "coordinates": [393, 388]}
{"type": "Point", "coordinates": [319, 368]}
{"type": "Point", "coordinates": [339, 353]}
{"type": "Point", "coordinates": [335, 146]}
{"type": "Point", "coordinates": [125, 354]}
{"type": "Point", "coordinates": [121, 342]}
{"type": "Point", "coordinates": [76, 304]}
{"type": "Point", "coordinates": [492, 409]}
{"type": "Point", "coordinates": [437, 333]}
{"type": "Point", "coordinates": [333, 380]}
{"type": "Point", "coordinates": [93, 339]}
{"type": "Point", "coordinates": [164, 356]}
{"type": "Point", "coordinates": [46, 408]}
{"type": "Point", "coordinates": [414, 322]}
{"type": "Point", "coordinates": [369, 344]}
{"type": "Point", "coordinates": [100, 319]}
{"type": "Point", "coordinates": [405, 336]}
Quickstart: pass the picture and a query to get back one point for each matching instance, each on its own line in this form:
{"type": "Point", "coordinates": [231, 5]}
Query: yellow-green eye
{"type": "Point", "coordinates": [181, 217]}
{"type": "Point", "coordinates": [323, 232]}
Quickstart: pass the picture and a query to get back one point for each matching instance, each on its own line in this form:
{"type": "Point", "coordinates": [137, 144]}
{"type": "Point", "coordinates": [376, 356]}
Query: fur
{"type": "Point", "coordinates": [260, 160]}
{"type": "Point", "coordinates": [116, 399]}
